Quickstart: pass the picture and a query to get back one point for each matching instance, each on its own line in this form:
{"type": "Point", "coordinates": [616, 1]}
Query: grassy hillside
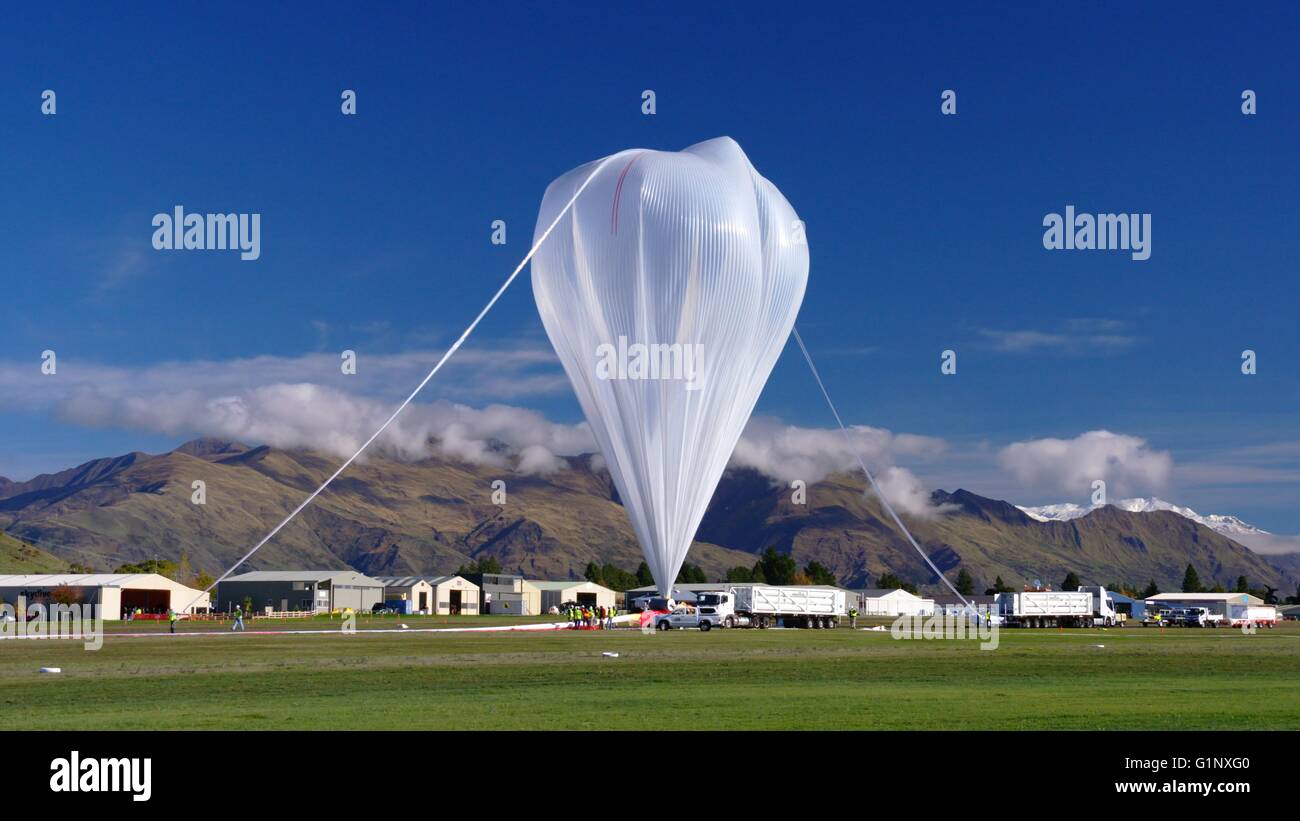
{"type": "Point", "coordinates": [19, 557]}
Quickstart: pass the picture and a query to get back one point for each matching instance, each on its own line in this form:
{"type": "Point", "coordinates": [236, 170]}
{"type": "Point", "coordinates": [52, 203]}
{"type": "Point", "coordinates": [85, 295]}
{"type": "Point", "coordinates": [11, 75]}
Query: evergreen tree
{"type": "Point", "coordinates": [593, 574]}
{"type": "Point", "coordinates": [1191, 581]}
{"type": "Point", "coordinates": [888, 581]}
{"type": "Point", "coordinates": [965, 584]}
{"type": "Point", "coordinates": [691, 574]}
{"type": "Point", "coordinates": [644, 577]}
{"type": "Point", "coordinates": [1151, 590]}
{"type": "Point", "coordinates": [818, 573]}
{"type": "Point", "coordinates": [1071, 582]}
{"type": "Point", "coordinates": [740, 575]}
{"type": "Point", "coordinates": [1243, 585]}
{"type": "Point", "coordinates": [777, 567]}
{"type": "Point", "coordinates": [485, 564]}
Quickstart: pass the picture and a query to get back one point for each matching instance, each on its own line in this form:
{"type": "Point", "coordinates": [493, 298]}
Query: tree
{"type": "Point", "coordinates": [616, 578]}
{"type": "Point", "coordinates": [1151, 590]}
{"type": "Point", "coordinates": [1243, 586]}
{"type": "Point", "coordinates": [999, 586]}
{"type": "Point", "coordinates": [965, 584]}
{"type": "Point", "coordinates": [485, 564]}
{"type": "Point", "coordinates": [644, 577]}
{"type": "Point", "coordinates": [778, 568]}
{"type": "Point", "coordinates": [63, 594]}
{"type": "Point", "coordinates": [203, 581]}
{"type": "Point", "coordinates": [740, 575]}
{"type": "Point", "coordinates": [1191, 581]}
{"type": "Point", "coordinates": [160, 566]}
{"type": "Point", "coordinates": [691, 574]}
{"type": "Point", "coordinates": [818, 573]}
{"type": "Point", "coordinates": [888, 581]}
{"type": "Point", "coordinates": [756, 574]}
{"type": "Point", "coordinates": [1071, 582]}
{"type": "Point", "coordinates": [593, 574]}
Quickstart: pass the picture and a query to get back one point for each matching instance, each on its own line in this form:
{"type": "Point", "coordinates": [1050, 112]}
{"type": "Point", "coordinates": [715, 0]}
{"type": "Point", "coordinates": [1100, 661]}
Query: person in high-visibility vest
{"type": "Point", "coordinates": [171, 616]}
{"type": "Point", "coordinates": [239, 619]}
{"type": "Point", "coordinates": [853, 617]}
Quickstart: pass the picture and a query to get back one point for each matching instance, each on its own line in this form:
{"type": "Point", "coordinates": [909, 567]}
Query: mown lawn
{"type": "Point", "coordinates": [775, 679]}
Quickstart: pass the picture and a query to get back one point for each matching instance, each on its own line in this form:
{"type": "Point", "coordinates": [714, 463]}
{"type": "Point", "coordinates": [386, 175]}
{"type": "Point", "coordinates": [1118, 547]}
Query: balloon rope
{"type": "Point", "coordinates": [419, 387]}
{"type": "Point", "coordinates": [881, 496]}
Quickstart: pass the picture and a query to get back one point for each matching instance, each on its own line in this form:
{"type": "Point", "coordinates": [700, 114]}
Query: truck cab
{"type": "Point", "coordinates": [716, 608]}
{"type": "Point", "coordinates": [1104, 612]}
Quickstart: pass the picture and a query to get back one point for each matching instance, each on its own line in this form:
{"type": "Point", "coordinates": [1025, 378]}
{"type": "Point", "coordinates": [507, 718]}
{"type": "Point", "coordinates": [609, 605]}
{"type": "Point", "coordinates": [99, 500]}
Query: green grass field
{"type": "Point", "coordinates": [775, 679]}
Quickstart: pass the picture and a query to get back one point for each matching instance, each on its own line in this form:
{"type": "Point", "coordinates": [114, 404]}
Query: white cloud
{"type": "Point", "coordinates": [902, 489]}
{"type": "Point", "coordinates": [1076, 337]}
{"type": "Point", "coordinates": [786, 452]}
{"type": "Point", "coordinates": [305, 402]}
{"type": "Point", "coordinates": [1127, 464]}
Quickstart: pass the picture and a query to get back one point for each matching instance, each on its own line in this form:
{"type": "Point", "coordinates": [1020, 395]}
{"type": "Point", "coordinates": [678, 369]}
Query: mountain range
{"type": "Point", "coordinates": [391, 517]}
{"type": "Point", "coordinates": [1229, 526]}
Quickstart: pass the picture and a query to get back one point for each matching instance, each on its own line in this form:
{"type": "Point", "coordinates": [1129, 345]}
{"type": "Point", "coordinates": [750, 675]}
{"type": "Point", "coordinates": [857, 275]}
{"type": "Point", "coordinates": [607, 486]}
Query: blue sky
{"type": "Point", "coordinates": [924, 230]}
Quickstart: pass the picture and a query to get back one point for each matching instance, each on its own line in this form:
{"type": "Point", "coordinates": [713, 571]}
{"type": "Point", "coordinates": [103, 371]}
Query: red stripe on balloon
{"type": "Point", "coordinates": [618, 190]}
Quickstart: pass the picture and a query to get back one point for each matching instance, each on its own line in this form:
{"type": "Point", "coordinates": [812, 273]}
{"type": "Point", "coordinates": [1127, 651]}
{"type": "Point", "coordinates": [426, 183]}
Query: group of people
{"type": "Point", "coordinates": [588, 617]}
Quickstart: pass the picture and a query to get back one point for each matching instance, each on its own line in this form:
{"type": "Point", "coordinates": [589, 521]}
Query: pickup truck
{"type": "Point", "coordinates": [680, 618]}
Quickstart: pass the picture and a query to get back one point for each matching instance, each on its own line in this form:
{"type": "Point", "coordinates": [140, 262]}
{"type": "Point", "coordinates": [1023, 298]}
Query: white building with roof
{"type": "Point", "coordinates": [556, 594]}
{"type": "Point", "coordinates": [117, 594]}
{"type": "Point", "coordinates": [1232, 606]}
{"type": "Point", "coordinates": [435, 595]}
{"type": "Point", "coordinates": [879, 601]}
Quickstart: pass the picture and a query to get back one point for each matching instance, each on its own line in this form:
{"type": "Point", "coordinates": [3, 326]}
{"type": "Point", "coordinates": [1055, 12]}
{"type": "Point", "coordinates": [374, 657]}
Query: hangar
{"type": "Point", "coordinates": [319, 591]}
{"type": "Point", "coordinates": [1231, 606]}
{"type": "Point", "coordinates": [435, 595]}
{"type": "Point", "coordinates": [892, 602]}
{"type": "Point", "coordinates": [117, 594]}
{"type": "Point", "coordinates": [555, 594]}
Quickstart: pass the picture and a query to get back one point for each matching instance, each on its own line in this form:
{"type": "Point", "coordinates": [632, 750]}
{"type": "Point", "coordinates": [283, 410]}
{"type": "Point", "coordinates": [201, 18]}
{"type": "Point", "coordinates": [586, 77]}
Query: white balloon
{"type": "Point", "coordinates": [669, 290]}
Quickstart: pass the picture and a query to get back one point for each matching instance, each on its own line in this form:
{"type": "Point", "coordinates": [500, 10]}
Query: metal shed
{"type": "Point", "coordinates": [320, 591]}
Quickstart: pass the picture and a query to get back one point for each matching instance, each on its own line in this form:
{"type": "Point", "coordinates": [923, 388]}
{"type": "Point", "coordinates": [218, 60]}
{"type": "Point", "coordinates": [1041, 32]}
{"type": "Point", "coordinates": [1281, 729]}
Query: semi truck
{"type": "Point", "coordinates": [761, 606]}
{"type": "Point", "coordinates": [1085, 607]}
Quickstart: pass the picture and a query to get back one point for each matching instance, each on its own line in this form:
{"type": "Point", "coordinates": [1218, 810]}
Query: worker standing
{"type": "Point", "coordinates": [853, 617]}
{"type": "Point", "coordinates": [239, 619]}
{"type": "Point", "coordinates": [171, 617]}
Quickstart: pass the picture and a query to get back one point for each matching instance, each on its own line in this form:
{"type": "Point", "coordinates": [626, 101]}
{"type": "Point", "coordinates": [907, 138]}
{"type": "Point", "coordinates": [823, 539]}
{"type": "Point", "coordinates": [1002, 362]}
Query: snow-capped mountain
{"type": "Point", "coordinates": [1229, 526]}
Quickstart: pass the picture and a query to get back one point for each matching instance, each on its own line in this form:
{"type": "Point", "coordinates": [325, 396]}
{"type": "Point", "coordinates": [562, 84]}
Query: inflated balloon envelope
{"type": "Point", "coordinates": [669, 290]}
